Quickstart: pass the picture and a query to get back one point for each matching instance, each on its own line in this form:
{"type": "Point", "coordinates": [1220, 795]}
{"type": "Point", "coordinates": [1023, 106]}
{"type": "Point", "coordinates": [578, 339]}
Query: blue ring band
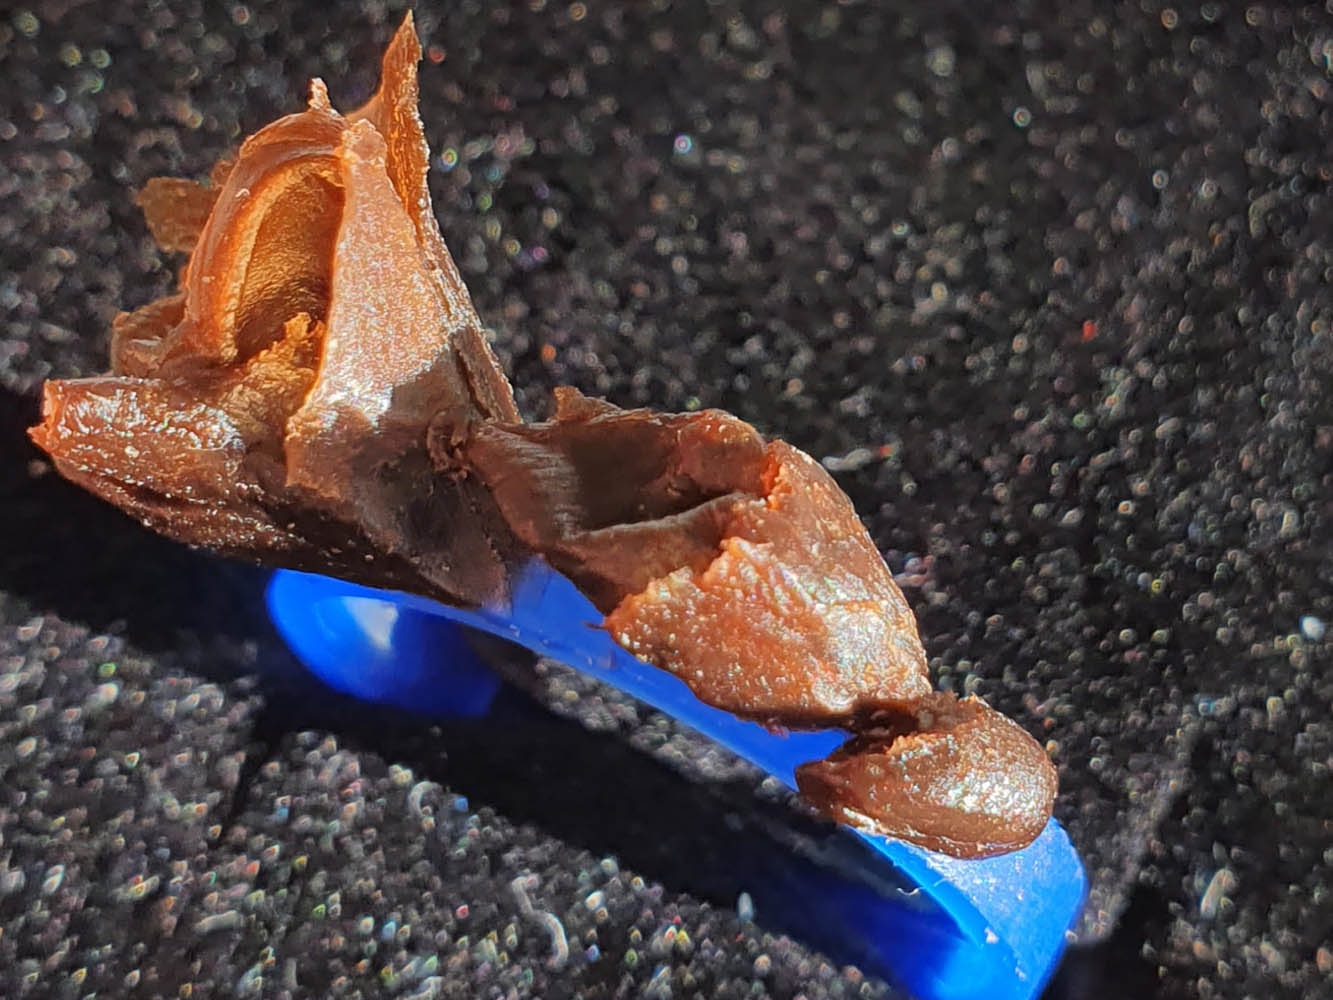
{"type": "Point", "coordinates": [954, 930]}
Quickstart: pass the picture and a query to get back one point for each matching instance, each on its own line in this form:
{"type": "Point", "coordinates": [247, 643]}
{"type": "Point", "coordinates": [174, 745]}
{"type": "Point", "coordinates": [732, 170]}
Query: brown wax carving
{"type": "Point", "coordinates": [277, 407]}
{"type": "Point", "coordinates": [955, 776]}
{"type": "Point", "coordinates": [320, 394]}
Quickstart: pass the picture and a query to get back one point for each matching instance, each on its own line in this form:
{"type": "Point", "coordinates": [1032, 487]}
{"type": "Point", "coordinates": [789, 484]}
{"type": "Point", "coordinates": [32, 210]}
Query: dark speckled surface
{"type": "Point", "coordinates": [1047, 285]}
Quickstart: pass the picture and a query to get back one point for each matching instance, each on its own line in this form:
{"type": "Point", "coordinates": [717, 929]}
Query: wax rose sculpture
{"type": "Point", "coordinates": [319, 394]}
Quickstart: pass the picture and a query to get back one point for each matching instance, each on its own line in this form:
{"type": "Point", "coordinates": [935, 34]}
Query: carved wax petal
{"type": "Point", "coordinates": [615, 498]}
{"type": "Point", "coordinates": [170, 460]}
{"type": "Point", "coordinates": [379, 283]}
{"type": "Point", "coordinates": [797, 582]}
{"type": "Point", "coordinates": [393, 112]}
{"type": "Point", "coordinates": [266, 252]}
{"type": "Point", "coordinates": [136, 337]}
{"type": "Point", "coordinates": [261, 395]}
{"type": "Point", "coordinates": [973, 784]}
{"type": "Point", "coordinates": [176, 210]}
{"type": "Point", "coordinates": [387, 368]}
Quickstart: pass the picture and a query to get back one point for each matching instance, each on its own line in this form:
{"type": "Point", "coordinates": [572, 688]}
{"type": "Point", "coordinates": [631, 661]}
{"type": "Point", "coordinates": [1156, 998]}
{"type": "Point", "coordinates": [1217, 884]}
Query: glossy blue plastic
{"type": "Point", "coordinates": [948, 929]}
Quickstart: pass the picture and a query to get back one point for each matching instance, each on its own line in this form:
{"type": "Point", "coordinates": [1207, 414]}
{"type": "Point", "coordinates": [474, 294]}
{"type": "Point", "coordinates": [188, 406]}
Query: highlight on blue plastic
{"type": "Point", "coordinates": [950, 930]}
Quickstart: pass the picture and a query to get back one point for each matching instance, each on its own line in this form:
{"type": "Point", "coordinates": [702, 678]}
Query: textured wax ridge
{"type": "Point", "coordinates": [320, 395]}
{"type": "Point", "coordinates": [794, 583]}
{"type": "Point", "coordinates": [970, 781]}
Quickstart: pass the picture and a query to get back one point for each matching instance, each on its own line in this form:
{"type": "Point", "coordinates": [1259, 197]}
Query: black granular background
{"type": "Point", "coordinates": [1046, 285]}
